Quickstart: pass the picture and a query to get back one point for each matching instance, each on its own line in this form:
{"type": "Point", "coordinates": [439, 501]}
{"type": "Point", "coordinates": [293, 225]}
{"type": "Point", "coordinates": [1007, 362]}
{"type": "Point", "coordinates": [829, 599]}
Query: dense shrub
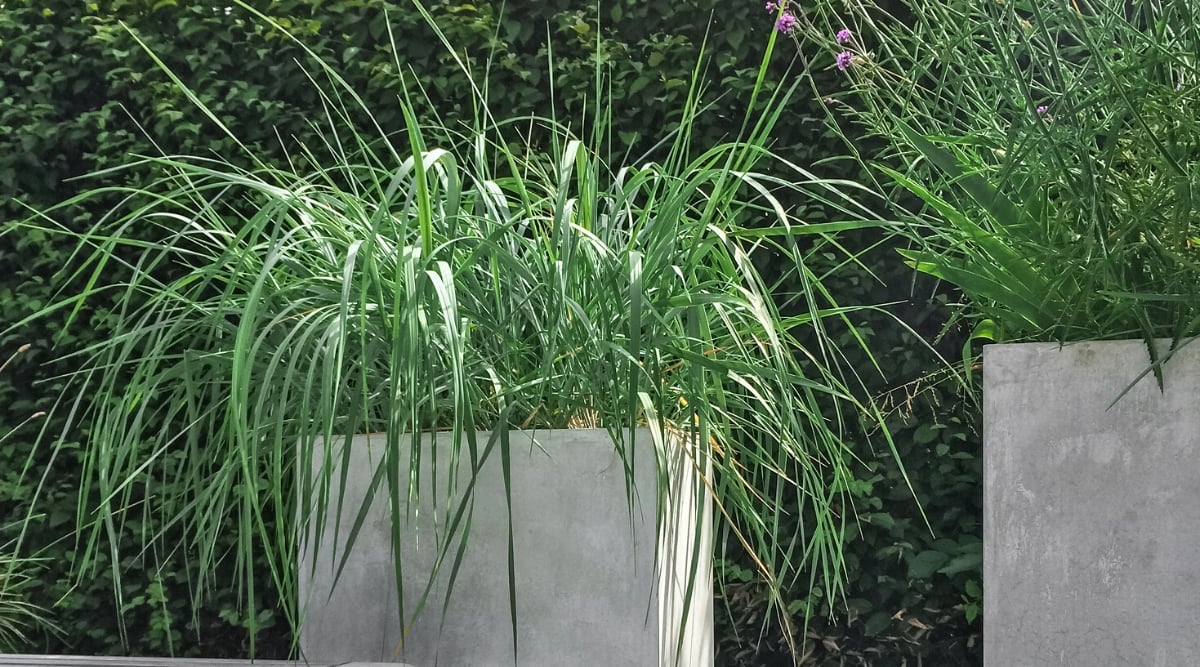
{"type": "Point", "coordinates": [915, 582]}
{"type": "Point", "coordinates": [78, 94]}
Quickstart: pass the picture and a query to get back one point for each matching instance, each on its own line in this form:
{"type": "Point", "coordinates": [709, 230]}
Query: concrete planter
{"type": "Point", "coordinates": [1091, 512]}
{"type": "Point", "coordinates": [588, 588]}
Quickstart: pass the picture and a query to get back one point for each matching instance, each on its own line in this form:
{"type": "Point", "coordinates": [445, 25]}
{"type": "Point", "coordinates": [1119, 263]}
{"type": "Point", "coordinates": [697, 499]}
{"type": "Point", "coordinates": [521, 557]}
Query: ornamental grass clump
{"type": "Point", "coordinates": [1046, 155]}
{"type": "Point", "coordinates": [18, 616]}
{"type": "Point", "coordinates": [457, 279]}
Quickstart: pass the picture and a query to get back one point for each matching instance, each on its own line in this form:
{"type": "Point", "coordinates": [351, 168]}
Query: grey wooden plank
{"type": "Point", "coordinates": [14, 660]}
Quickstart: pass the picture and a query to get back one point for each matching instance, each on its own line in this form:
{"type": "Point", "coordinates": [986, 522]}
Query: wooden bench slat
{"type": "Point", "coordinates": [15, 660]}
{"type": "Point", "coordinates": [118, 661]}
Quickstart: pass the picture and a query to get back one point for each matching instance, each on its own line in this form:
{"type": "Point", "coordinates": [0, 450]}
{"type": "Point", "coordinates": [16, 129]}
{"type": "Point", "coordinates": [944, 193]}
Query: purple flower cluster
{"type": "Point", "coordinates": [787, 21]}
{"type": "Point", "coordinates": [846, 57]}
{"type": "Point", "coordinates": [1042, 109]}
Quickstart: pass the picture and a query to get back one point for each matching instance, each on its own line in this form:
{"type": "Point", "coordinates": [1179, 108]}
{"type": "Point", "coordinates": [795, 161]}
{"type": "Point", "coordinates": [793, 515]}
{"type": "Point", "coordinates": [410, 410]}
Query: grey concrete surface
{"type": "Point", "coordinates": [588, 590]}
{"type": "Point", "coordinates": [1091, 513]}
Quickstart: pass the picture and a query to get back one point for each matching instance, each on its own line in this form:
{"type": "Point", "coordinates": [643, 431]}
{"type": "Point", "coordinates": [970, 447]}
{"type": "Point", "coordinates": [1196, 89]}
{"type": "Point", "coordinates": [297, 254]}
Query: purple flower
{"type": "Point", "coordinates": [844, 59]}
{"type": "Point", "coordinates": [1042, 109]}
{"type": "Point", "coordinates": [786, 23]}
{"type": "Point", "coordinates": [771, 6]}
{"type": "Point", "coordinates": [843, 36]}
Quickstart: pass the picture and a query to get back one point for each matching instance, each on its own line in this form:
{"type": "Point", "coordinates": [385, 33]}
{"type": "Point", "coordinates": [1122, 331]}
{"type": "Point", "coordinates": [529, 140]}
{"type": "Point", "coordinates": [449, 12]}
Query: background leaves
{"type": "Point", "coordinates": [78, 95]}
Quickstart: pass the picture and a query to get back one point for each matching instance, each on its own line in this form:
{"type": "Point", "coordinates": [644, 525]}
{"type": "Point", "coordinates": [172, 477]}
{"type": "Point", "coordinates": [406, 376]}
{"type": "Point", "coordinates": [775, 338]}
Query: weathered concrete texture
{"type": "Point", "coordinates": [587, 589]}
{"type": "Point", "coordinates": [1091, 513]}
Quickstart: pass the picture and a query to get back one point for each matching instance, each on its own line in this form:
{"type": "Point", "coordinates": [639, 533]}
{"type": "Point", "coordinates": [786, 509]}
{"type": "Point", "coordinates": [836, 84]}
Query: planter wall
{"type": "Point", "coordinates": [1091, 513]}
{"type": "Point", "coordinates": [587, 587]}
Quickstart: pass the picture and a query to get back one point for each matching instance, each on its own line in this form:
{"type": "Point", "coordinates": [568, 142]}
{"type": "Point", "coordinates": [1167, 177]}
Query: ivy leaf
{"type": "Point", "coordinates": [924, 564]}
{"type": "Point", "coordinates": [968, 562]}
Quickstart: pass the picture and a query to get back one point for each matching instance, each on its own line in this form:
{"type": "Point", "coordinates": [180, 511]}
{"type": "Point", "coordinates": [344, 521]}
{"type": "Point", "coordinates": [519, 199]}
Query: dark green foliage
{"type": "Point", "coordinates": [914, 588]}
{"type": "Point", "coordinates": [78, 94]}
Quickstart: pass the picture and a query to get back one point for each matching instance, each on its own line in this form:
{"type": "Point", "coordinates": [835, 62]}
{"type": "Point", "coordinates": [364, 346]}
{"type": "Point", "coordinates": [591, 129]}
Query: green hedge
{"type": "Point", "coordinates": [914, 588]}
{"type": "Point", "coordinates": [78, 94]}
